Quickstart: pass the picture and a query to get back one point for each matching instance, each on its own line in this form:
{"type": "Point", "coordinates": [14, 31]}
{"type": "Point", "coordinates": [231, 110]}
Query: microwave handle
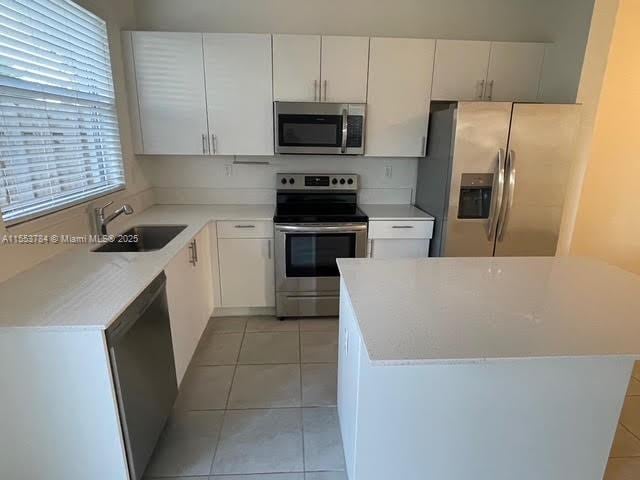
{"type": "Point", "coordinates": [345, 118]}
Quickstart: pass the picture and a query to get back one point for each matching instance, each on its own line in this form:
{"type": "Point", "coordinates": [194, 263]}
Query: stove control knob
{"type": "Point", "coordinates": [292, 181]}
{"type": "Point", "coordinates": [350, 181]}
{"type": "Point", "coordinates": [334, 181]}
{"type": "Point", "coordinates": [283, 181]}
{"type": "Point", "coordinates": [342, 181]}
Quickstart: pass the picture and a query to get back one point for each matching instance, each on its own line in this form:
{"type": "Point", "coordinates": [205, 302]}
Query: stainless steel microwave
{"type": "Point", "coordinates": [319, 128]}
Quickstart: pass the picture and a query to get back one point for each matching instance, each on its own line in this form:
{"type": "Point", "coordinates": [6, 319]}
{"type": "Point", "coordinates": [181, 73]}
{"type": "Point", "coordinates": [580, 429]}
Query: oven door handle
{"type": "Point", "coordinates": [352, 228]}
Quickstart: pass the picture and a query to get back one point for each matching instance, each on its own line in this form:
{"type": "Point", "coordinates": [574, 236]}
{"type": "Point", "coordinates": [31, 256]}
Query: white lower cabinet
{"type": "Point", "coordinates": [189, 287]}
{"type": "Point", "coordinates": [245, 257]}
{"type": "Point", "coordinates": [349, 346]}
{"type": "Point", "coordinates": [399, 238]}
{"type": "Point", "coordinates": [398, 248]}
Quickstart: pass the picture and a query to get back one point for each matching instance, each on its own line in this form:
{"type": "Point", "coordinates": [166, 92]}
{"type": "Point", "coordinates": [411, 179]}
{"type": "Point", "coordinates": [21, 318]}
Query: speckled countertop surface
{"type": "Point", "coordinates": [394, 212]}
{"type": "Point", "coordinates": [82, 289]}
{"type": "Point", "coordinates": [458, 310]}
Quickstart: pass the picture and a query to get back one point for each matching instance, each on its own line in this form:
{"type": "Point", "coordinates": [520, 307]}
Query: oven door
{"type": "Point", "coordinates": [306, 254]}
{"type": "Point", "coordinates": [319, 128]}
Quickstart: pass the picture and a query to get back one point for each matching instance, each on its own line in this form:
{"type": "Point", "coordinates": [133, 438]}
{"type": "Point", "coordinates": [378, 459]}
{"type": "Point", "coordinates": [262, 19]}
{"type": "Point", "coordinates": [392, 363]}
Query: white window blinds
{"type": "Point", "coordinates": [59, 140]}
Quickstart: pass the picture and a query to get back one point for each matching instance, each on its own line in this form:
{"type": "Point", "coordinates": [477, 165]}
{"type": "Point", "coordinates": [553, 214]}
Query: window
{"type": "Point", "coordinates": [59, 140]}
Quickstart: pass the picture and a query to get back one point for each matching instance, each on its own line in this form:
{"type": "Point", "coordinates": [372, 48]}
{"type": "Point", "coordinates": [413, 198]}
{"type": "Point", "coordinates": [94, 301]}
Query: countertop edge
{"type": "Point", "coordinates": [194, 228]}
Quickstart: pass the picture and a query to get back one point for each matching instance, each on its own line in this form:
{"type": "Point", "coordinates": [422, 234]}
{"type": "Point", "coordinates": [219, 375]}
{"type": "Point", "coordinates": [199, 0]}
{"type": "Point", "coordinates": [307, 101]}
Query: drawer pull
{"type": "Point", "coordinates": [244, 226]}
{"type": "Point", "coordinates": [402, 226]}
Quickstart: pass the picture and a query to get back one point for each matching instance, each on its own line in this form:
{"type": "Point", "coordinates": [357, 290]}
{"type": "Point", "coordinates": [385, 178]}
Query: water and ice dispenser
{"type": "Point", "coordinates": [475, 195]}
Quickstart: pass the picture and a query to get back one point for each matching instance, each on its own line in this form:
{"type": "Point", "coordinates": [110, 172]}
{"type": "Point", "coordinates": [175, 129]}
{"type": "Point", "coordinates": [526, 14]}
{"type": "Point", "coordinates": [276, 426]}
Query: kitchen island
{"type": "Point", "coordinates": [483, 368]}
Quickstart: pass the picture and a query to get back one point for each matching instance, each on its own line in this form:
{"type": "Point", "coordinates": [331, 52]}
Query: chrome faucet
{"type": "Point", "coordinates": [101, 221]}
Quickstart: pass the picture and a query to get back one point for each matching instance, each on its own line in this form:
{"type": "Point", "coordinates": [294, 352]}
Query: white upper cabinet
{"type": "Point", "coordinates": [400, 74]}
{"type": "Point", "coordinates": [171, 92]}
{"type": "Point", "coordinates": [460, 70]}
{"type": "Point", "coordinates": [310, 68]}
{"type": "Point", "coordinates": [343, 71]}
{"type": "Point", "coordinates": [514, 71]}
{"type": "Point", "coordinates": [239, 94]}
{"type": "Point", "coordinates": [296, 67]}
{"type": "Point", "coordinates": [487, 71]}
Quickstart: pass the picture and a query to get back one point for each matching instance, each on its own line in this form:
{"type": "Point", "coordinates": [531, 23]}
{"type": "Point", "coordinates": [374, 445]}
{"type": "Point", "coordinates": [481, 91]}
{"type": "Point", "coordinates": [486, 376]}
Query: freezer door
{"type": "Point", "coordinates": [541, 150]}
{"type": "Point", "coordinates": [481, 135]}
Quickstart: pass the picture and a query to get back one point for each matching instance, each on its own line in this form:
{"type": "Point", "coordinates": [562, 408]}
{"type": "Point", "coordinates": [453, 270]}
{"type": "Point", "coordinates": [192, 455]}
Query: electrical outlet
{"type": "Point", "coordinates": [388, 171]}
{"type": "Point", "coordinates": [228, 170]}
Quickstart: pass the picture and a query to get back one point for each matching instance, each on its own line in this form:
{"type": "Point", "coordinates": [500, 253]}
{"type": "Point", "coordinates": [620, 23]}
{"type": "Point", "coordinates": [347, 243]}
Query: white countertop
{"type": "Point", "coordinates": [82, 289]}
{"type": "Point", "coordinates": [451, 310]}
{"type": "Point", "coordinates": [394, 212]}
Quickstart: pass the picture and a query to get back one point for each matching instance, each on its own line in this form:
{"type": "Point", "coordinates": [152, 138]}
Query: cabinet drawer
{"type": "Point", "coordinates": [245, 229]}
{"type": "Point", "coordinates": [401, 229]}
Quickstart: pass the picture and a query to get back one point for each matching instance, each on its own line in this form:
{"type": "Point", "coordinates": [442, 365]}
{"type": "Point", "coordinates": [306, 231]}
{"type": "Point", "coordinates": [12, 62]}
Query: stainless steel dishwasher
{"type": "Point", "coordinates": [144, 373]}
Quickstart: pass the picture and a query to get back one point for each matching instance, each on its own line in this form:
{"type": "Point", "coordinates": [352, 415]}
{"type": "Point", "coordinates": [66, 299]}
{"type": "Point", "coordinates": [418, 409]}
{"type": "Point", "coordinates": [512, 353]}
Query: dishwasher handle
{"type": "Point", "coordinates": [128, 318]}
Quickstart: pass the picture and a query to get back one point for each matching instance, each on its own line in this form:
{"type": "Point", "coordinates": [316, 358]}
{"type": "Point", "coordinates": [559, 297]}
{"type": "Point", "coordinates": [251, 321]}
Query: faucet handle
{"type": "Point", "coordinates": [101, 209]}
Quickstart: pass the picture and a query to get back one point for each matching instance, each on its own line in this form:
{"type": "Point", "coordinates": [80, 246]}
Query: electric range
{"type": "Point", "coordinates": [317, 220]}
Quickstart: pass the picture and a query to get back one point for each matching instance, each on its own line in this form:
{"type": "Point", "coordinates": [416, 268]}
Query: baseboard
{"type": "Point", "coordinates": [242, 311]}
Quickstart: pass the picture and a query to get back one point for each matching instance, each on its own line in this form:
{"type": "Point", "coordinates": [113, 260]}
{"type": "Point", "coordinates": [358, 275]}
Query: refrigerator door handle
{"type": "Point", "coordinates": [511, 185]}
{"type": "Point", "coordinates": [497, 196]}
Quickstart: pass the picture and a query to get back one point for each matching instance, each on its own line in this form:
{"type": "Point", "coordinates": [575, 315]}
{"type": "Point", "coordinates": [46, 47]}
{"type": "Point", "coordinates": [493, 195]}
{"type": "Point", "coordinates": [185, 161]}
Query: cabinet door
{"type": "Point", "coordinates": [296, 67]}
{"type": "Point", "coordinates": [460, 70]}
{"type": "Point", "coordinates": [204, 280]}
{"type": "Point", "coordinates": [246, 272]}
{"type": "Point", "coordinates": [400, 71]}
{"type": "Point", "coordinates": [171, 94]}
{"type": "Point", "coordinates": [239, 93]}
{"type": "Point", "coordinates": [514, 71]}
{"type": "Point", "coordinates": [345, 61]}
{"type": "Point", "coordinates": [398, 248]}
{"type": "Point", "coordinates": [182, 298]}
{"type": "Point", "coordinates": [349, 345]}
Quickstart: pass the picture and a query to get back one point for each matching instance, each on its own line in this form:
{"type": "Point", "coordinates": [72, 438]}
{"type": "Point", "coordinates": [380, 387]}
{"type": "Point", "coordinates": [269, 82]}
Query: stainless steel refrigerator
{"type": "Point", "coordinates": [495, 176]}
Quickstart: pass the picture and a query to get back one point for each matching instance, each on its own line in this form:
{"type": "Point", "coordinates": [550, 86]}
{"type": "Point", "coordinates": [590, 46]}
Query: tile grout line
{"type": "Point", "coordinates": [629, 430]}
{"type": "Point", "coordinates": [224, 412]}
{"type": "Point", "coordinates": [304, 463]}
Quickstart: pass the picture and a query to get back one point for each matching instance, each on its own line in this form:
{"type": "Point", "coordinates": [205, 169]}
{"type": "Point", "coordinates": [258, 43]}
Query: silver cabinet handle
{"type": "Point", "coordinates": [325, 90]}
{"type": "Point", "coordinates": [490, 94]}
{"type": "Point", "coordinates": [269, 249]}
{"type": "Point", "coordinates": [214, 143]}
{"type": "Point", "coordinates": [204, 143]}
{"type": "Point", "coordinates": [481, 89]}
{"type": "Point", "coordinates": [496, 195]}
{"type": "Point", "coordinates": [345, 122]}
{"type": "Point", "coordinates": [244, 226]}
{"type": "Point", "coordinates": [315, 90]}
{"type": "Point", "coordinates": [370, 248]}
{"type": "Point", "coordinates": [402, 226]}
{"type": "Point", "coordinates": [511, 185]}
{"type": "Point", "coordinates": [195, 250]}
{"type": "Point", "coordinates": [192, 252]}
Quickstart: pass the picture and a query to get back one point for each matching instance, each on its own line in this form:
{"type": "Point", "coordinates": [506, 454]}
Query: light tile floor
{"type": "Point", "coordinates": [258, 402]}
{"type": "Point", "coordinates": [624, 461]}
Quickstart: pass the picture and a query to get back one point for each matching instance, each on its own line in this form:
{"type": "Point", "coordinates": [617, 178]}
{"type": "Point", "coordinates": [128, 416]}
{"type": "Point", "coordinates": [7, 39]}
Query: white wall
{"type": "Point", "coordinates": [219, 180]}
{"type": "Point", "coordinates": [568, 22]}
{"type": "Point", "coordinates": [565, 22]}
{"type": "Point", "coordinates": [593, 74]}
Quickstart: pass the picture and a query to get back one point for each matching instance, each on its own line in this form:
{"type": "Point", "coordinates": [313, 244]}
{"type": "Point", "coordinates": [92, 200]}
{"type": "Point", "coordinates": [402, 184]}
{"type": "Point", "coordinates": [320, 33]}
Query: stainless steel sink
{"type": "Point", "coordinates": [146, 238]}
